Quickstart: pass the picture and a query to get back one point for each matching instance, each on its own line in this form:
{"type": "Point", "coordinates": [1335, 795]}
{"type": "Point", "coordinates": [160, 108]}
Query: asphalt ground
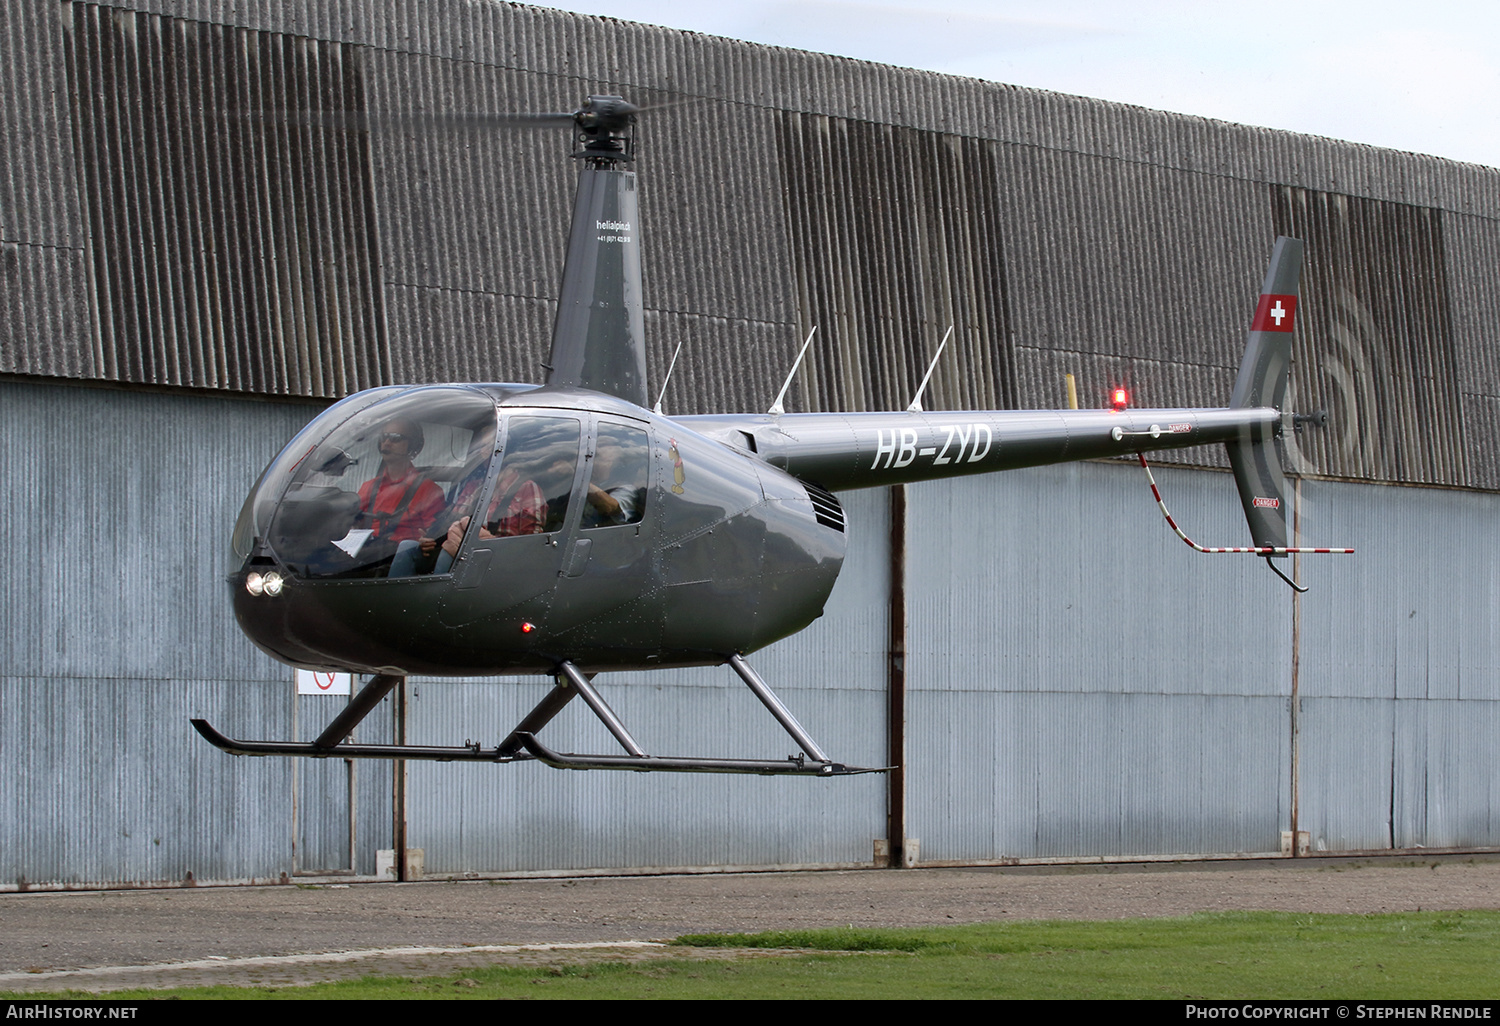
{"type": "Point", "coordinates": [281, 935]}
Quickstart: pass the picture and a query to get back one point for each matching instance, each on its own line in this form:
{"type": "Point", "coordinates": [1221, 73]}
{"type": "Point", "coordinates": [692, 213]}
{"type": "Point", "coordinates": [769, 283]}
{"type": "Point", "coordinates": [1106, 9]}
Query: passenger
{"type": "Point", "coordinates": [399, 502]}
{"type": "Point", "coordinates": [616, 487]}
{"type": "Point", "coordinates": [518, 507]}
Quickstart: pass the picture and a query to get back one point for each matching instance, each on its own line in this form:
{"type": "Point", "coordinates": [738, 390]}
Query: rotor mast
{"type": "Point", "coordinates": [598, 339]}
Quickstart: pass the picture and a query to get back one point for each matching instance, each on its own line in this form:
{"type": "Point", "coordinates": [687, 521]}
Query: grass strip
{"type": "Point", "coordinates": [1231, 955]}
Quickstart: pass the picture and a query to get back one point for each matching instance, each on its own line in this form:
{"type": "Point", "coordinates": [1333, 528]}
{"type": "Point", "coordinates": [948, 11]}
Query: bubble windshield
{"type": "Point", "coordinates": [387, 478]}
{"type": "Point", "coordinates": [255, 514]}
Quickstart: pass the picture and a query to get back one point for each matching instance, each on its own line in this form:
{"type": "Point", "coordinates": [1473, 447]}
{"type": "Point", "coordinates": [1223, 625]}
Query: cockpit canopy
{"type": "Point", "coordinates": [389, 487]}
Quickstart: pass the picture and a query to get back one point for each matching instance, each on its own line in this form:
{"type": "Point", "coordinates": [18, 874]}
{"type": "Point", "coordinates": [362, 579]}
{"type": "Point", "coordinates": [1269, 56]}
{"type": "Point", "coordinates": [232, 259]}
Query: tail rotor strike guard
{"type": "Point", "coordinates": [1268, 551]}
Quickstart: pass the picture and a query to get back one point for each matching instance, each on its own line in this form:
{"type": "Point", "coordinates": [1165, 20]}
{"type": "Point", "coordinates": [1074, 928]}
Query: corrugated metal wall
{"type": "Point", "coordinates": [1400, 677]}
{"type": "Point", "coordinates": [1106, 698]}
{"type": "Point", "coordinates": [44, 315]}
{"type": "Point", "coordinates": [484, 819]}
{"type": "Point", "coordinates": [1378, 347]}
{"type": "Point", "coordinates": [782, 189]}
{"type": "Point", "coordinates": [1104, 702]}
{"type": "Point", "coordinates": [1116, 694]}
{"type": "Point", "coordinates": [232, 243]}
{"type": "Point", "coordinates": [1120, 694]}
{"type": "Point", "coordinates": [117, 630]}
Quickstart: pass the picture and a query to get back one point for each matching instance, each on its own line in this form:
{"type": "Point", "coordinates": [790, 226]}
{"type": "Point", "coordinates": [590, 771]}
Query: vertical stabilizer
{"type": "Point", "coordinates": [1262, 382]}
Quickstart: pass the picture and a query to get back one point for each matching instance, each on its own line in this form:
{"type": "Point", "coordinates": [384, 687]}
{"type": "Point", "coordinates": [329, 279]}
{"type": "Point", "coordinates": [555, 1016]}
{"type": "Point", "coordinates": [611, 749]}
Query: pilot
{"type": "Point", "coordinates": [399, 502]}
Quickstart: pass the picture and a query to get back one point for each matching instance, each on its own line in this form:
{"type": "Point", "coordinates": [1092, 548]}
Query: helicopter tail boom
{"type": "Point", "coordinates": [842, 451]}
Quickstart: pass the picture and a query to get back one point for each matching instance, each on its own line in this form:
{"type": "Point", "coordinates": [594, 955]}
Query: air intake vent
{"type": "Point", "coordinates": [825, 507]}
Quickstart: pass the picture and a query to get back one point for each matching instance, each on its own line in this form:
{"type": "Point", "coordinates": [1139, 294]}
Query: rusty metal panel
{"type": "Point", "coordinates": [228, 248]}
{"type": "Point", "coordinates": [1376, 344]}
{"type": "Point", "coordinates": [44, 315]}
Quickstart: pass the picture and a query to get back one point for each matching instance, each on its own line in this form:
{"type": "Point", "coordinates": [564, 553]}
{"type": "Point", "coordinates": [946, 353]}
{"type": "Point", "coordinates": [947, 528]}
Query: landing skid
{"type": "Point", "coordinates": [521, 745]}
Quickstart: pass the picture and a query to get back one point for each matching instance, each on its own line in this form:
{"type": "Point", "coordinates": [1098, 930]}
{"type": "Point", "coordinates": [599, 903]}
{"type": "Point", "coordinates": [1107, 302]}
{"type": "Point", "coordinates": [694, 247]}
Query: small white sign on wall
{"type": "Point", "coordinates": [316, 682]}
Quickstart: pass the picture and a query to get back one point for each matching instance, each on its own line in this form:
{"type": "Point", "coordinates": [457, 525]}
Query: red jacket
{"type": "Point", "coordinates": [425, 504]}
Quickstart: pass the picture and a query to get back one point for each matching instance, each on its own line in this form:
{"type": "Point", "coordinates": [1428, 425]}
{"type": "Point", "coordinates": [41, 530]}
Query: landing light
{"type": "Point", "coordinates": [272, 584]}
{"type": "Point", "coordinates": [1119, 399]}
{"type": "Point", "coordinates": [254, 584]}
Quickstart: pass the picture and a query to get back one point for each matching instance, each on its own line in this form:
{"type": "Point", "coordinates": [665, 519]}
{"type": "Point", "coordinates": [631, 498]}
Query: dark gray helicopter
{"type": "Point", "coordinates": [567, 529]}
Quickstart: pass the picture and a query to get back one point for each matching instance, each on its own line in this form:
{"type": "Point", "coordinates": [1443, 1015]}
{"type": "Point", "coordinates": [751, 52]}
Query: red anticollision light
{"type": "Point", "coordinates": [527, 628]}
{"type": "Point", "coordinates": [1119, 399]}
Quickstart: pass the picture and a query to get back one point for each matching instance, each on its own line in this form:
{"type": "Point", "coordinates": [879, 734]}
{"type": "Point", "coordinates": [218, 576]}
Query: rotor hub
{"type": "Point", "coordinates": [606, 130]}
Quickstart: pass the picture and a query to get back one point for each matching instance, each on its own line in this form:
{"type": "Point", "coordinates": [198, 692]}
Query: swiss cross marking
{"type": "Point", "coordinates": [1275, 313]}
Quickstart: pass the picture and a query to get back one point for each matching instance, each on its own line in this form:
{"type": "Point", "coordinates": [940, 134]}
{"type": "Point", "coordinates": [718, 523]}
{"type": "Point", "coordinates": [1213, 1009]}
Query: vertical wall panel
{"type": "Point", "coordinates": [1472, 253]}
{"type": "Point", "coordinates": [486, 819]}
{"type": "Point", "coordinates": [1376, 345]}
{"type": "Point", "coordinates": [44, 313]}
{"type": "Point", "coordinates": [1078, 687]}
{"type": "Point", "coordinates": [231, 230]}
{"type": "Point", "coordinates": [1400, 671]}
{"type": "Point", "coordinates": [118, 630]}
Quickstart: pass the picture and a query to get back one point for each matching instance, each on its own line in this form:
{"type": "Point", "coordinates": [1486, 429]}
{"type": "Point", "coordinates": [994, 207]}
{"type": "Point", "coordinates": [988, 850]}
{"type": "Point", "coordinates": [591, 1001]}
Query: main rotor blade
{"type": "Point", "coordinates": [360, 121]}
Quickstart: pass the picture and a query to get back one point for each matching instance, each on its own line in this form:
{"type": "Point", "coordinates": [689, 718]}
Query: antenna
{"type": "Point", "coordinates": [916, 400]}
{"type": "Point", "coordinates": [670, 367]}
{"type": "Point", "coordinates": [777, 409]}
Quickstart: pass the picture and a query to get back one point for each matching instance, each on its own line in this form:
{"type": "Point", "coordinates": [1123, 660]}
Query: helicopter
{"type": "Point", "coordinates": [569, 528]}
